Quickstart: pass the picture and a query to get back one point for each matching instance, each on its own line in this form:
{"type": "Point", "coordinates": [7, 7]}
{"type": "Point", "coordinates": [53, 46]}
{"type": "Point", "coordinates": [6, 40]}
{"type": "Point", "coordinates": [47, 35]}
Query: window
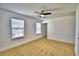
{"type": "Point", "coordinates": [38, 28]}
{"type": "Point", "coordinates": [17, 28]}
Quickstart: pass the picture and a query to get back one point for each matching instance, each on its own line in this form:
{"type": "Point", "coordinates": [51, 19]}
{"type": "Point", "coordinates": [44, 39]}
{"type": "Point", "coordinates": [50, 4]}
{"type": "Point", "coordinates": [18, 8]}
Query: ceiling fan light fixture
{"type": "Point", "coordinates": [42, 15]}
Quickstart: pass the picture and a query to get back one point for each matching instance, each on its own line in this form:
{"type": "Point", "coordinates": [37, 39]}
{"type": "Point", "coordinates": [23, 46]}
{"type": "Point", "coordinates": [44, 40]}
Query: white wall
{"type": "Point", "coordinates": [62, 29]}
{"type": "Point", "coordinates": [5, 37]}
{"type": "Point", "coordinates": [77, 32]}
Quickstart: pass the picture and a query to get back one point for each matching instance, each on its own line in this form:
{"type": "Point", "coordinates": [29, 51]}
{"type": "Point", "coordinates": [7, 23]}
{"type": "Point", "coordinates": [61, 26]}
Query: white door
{"type": "Point", "coordinates": [77, 32]}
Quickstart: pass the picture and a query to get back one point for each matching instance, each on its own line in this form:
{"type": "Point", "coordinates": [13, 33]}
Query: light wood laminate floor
{"type": "Point", "coordinates": [41, 47]}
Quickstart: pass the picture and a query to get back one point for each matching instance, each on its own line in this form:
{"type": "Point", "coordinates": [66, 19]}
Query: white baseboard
{"type": "Point", "coordinates": [75, 52]}
{"type": "Point", "coordinates": [61, 40]}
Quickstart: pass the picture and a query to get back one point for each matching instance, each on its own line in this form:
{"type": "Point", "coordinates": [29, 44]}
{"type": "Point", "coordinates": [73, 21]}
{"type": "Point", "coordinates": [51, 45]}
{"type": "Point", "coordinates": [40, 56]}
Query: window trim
{"type": "Point", "coordinates": [12, 28]}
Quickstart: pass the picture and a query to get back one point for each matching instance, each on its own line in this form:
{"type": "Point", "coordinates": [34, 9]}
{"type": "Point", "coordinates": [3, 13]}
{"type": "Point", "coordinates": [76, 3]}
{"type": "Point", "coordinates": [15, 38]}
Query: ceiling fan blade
{"type": "Point", "coordinates": [47, 13]}
{"type": "Point", "coordinates": [36, 12]}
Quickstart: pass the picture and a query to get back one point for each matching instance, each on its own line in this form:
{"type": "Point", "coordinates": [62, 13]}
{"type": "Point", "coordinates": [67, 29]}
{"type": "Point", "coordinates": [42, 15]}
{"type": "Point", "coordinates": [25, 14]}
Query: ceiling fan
{"type": "Point", "coordinates": [43, 13]}
{"type": "Point", "coordinates": [46, 12]}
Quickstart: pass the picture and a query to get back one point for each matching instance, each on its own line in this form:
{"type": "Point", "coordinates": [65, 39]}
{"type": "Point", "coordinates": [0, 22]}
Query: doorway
{"type": "Point", "coordinates": [44, 29]}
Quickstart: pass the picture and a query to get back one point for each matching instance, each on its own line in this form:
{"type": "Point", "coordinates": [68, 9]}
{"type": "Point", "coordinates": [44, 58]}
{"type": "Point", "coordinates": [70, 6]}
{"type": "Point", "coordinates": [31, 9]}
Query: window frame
{"type": "Point", "coordinates": [36, 28]}
{"type": "Point", "coordinates": [18, 28]}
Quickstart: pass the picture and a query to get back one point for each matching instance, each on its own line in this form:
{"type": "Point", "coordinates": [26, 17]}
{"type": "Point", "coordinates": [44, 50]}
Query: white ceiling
{"type": "Point", "coordinates": [30, 8]}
